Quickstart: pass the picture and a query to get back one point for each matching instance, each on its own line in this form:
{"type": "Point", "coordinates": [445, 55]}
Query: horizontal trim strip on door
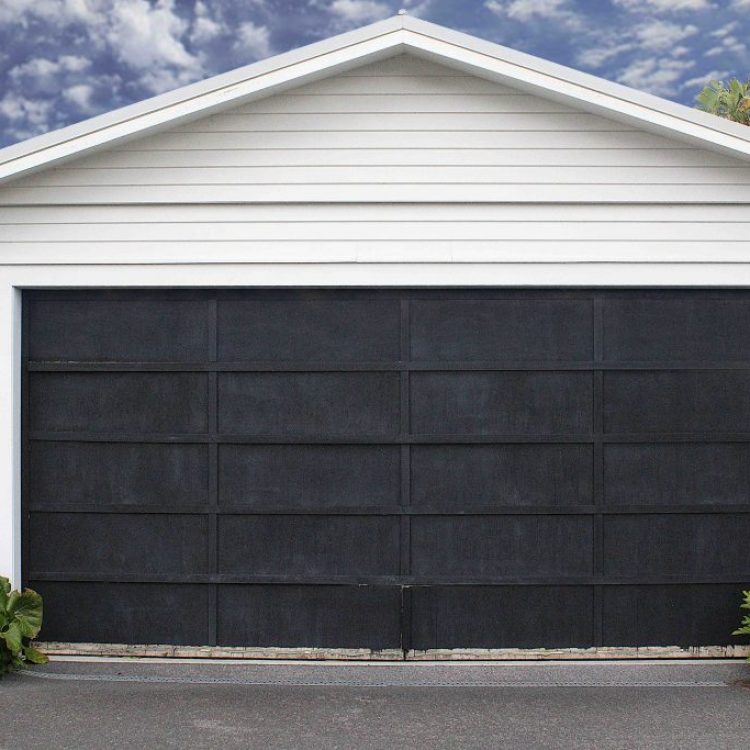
{"type": "Point", "coordinates": [390, 366]}
{"type": "Point", "coordinates": [375, 580]}
{"type": "Point", "coordinates": [94, 437]}
{"type": "Point", "coordinates": [229, 439]}
{"type": "Point", "coordinates": [484, 510]}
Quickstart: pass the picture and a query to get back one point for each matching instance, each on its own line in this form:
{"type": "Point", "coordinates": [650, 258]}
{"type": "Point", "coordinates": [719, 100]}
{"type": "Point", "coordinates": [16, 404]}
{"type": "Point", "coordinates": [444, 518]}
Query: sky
{"type": "Point", "coordinates": [62, 61]}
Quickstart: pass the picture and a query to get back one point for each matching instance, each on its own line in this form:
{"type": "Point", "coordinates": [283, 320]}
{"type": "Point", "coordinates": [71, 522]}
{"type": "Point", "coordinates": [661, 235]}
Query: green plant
{"type": "Point", "coordinates": [20, 622]}
{"type": "Point", "coordinates": [731, 102]}
{"type": "Point", "coordinates": [744, 629]}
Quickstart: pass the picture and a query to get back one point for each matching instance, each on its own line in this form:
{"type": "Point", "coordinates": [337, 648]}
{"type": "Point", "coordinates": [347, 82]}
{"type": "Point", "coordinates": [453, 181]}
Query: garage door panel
{"type": "Point", "coordinates": [309, 404]}
{"type": "Point", "coordinates": [525, 547]}
{"type": "Point", "coordinates": [101, 474]}
{"type": "Point", "coordinates": [677, 401]}
{"type": "Point", "coordinates": [118, 402]}
{"type": "Point", "coordinates": [124, 612]}
{"type": "Point", "coordinates": [316, 616]}
{"type": "Point", "coordinates": [486, 403]}
{"type": "Point", "coordinates": [422, 468]}
{"type": "Point", "coordinates": [125, 330]}
{"type": "Point", "coordinates": [679, 328]}
{"type": "Point", "coordinates": [309, 330]}
{"type": "Point", "coordinates": [309, 546]}
{"type": "Point", "coordinates": [551, 330]}
{"type": "Point", "coordinates": [453, 477]}
{"type": "Point", "coordinates": [502, 617]}
{"type": "Point", "coordinates": [674, 615]}
{"type": "Point", "coordinates": [677, 545]}
{"type": "Point", "coordinates": [118, 543]}
{"type": "Point", "coordinates": [309, 476]}
{"type": "Point", "coordinates": [677, 474]}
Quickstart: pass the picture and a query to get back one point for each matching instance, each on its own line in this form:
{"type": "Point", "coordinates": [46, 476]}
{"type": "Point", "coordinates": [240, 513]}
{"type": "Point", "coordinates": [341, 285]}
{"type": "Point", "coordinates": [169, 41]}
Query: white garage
{"type": "Point", "coordinates": [402, 344]}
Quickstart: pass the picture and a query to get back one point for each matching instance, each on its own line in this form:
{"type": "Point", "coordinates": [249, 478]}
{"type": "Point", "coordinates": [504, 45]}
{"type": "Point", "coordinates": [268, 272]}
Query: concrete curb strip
{"type": "Point", "coordinates": [511, 654]}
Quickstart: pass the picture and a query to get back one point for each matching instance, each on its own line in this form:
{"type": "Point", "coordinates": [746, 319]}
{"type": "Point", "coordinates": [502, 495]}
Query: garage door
{"type": "Point", "coordinates": [388, 469]}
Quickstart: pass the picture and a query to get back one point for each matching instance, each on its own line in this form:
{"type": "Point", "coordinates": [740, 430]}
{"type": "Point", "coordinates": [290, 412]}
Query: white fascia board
{"type": "Point", "coordinates": [568, 86]}
{"type": "Point", "coordinates": [267, 77]}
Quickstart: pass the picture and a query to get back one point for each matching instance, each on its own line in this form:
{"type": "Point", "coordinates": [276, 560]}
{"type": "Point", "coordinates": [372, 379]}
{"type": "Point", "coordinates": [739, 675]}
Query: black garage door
{"type": "Point", "coordinates": [388, 469]}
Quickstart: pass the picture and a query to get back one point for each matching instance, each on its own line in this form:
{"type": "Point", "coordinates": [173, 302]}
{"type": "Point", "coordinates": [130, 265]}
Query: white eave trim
{"type": "Point", "coordinates": [369, 44]}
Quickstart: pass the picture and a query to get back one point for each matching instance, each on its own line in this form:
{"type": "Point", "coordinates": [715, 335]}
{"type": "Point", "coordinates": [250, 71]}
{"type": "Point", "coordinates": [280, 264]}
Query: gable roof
{"type": "Point", "coordinates": [396, 35]}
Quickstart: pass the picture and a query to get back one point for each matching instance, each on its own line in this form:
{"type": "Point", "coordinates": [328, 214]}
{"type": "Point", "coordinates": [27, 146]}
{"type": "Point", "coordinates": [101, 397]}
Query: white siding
{"type": "Point", "coordinates": [366, 233]}
{"type": "Point", "coordinates": [402, 130]}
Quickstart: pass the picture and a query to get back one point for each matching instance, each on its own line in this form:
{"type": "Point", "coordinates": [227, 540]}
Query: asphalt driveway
{"type": "Point", "coordinates": [127, 704]}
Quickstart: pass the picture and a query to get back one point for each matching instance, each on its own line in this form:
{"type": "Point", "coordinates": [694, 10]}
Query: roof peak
{"type": "Point", "coordinates": [401, 33]}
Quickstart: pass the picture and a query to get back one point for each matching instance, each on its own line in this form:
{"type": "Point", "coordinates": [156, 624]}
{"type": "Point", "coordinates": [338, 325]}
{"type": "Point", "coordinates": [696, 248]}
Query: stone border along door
{"type": "Point", "coordinates": [387, 470]}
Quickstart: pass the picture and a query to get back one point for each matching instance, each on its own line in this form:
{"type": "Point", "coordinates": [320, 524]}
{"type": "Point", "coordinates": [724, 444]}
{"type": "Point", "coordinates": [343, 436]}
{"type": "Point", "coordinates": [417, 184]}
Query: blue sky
{"type": "Point", "coordinates": [62, 61]}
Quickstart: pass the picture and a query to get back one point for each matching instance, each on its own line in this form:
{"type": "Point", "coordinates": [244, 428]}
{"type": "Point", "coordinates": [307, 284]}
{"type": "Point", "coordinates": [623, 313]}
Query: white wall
{"type": "Point", "coordinates": [402, 130]}
{"type": "Point", "coordinates": [375, 233]}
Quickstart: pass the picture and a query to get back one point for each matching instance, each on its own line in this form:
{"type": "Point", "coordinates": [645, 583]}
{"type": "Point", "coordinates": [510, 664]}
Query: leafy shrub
{"type": "Point", "coordinates": [744, 629]}
{"type": "Point", "coordinates": [732, 102]}
{"type": "Point", "coordinates": [20, 622]}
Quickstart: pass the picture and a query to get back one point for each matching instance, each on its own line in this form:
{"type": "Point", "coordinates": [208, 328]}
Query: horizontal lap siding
{"type": "Point", "coordinates": [402, 130]}
{"type": "Point", "coordinates": [418, 155]}
{"type": "Point", "coordinates": [371, 234]}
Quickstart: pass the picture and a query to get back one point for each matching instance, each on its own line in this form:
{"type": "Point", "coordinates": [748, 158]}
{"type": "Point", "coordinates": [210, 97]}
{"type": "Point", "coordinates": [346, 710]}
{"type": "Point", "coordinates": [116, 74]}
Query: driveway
{"type": "Point", "coordinates": [134, 704]}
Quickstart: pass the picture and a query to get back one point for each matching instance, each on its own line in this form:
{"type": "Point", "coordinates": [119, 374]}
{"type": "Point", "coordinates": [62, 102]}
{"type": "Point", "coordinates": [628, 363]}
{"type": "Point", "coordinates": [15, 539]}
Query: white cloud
{"type": "Point", "coordinates": [715, 52]}
{"type": "Point", "coordinates": [11, 106]}
{"type": "Point", "coordinates": [158, 80]}
{"type": "Point", "coordinates": [42, 77]}
{"type": "Point", "coordinates": [145, 35]}
{"type": "Point", "coordinates": [205, 28]}
{"type": "Point", "coordinates": [662, 35]}
{"type": "Point", "coordinates": [59, 12]}
{"type": "Point", "coordinates": [558, 11]}
{"type": "Point", "coordinates": [523, 10]}
{"type": "Point", "coordinates": [658, 75]}
{"type": "Point", "coordinates": [595, 57]}
{"type": "Point", "coordinates": [729, 44]}
{"type": "Point", "coordinates": [724, 30]}
{"type": "Point", "coordinates": [254, 41]}
{"type": "Point", "coordinates": [704, 80]}
{"type": "Point", "coordinates": [417, 8]}
{"type": "Point", "coordinates": [359, 11]}
{"type": "Point", "coordinates": [41, 67]}
{"type": "Point", "coordinates": [12, 11]}
{"type": "Point", "coordinates": [148, 39]}
{"type": "Point", "coordinates": [27, 116]}
{"type": "Point", "coordinates": [80, 96]}
{"type": "Point", "coordinates": [664, 6]}
{"type": "Point", "coordinates": [655, 35]}
{"type": "Point", "coordinates": [681, 4]}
